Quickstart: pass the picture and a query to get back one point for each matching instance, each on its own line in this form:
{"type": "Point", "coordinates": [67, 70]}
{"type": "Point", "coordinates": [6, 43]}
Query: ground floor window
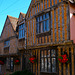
{"type": "Point", "coordinates": [9, 64]}
{"type": "Point", "coordinates": [48, 61]}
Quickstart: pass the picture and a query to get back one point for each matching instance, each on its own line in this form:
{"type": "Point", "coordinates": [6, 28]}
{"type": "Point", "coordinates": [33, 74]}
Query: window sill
{"type": "Point", "coordinates": [21, 38]}
{"type": "Point", "coordinates": [43, 34]}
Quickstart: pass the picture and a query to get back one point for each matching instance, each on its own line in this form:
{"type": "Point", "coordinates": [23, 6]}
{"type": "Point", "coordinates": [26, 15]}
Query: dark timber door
{"type": "Point", "coordinates": [26, 64]}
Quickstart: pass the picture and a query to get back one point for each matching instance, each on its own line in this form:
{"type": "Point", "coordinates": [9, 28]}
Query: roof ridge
{"type": "Point", "coordinates": [12, 17]}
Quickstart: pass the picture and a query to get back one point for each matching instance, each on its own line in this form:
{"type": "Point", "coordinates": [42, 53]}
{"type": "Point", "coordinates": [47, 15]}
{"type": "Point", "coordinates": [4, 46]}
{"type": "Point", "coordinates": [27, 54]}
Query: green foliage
{"type": "Point", "coordinates": [25, 72]}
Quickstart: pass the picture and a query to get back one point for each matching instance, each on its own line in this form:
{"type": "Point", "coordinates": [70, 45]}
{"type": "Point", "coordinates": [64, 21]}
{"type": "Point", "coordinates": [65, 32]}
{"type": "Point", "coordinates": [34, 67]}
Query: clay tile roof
{"type": "Point", "coordinates": [22, 14]}
{"type": "Point", "coordinates": [13, 21]}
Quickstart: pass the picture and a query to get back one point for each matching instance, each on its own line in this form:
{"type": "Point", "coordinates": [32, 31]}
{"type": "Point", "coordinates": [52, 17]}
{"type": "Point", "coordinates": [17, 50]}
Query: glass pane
{"type": "Point", "coordinates": [45, 53]}
{"type": "Point", "coordinates": [41, 25]}
{"type": "Point", "coordinates": [53, 64]}
{"type": "Point", "coordinates": [41, 53]}
{"type": "Point", "coordinates": [47, 15]}
{"type": "Point", "coordinates": [37, 26]}
{"type": "Point", "coordinates": [53, 53]}
{"type": "Point", "coordinates": [48, 53]}
{"type": "Point", "coordinates": [42, 64]}
{"type": "Point", "coordinates": [23, 33]}
{"type": "Point", "coordinates": [49, 65]}
{"type": "Point", "coordinates": [47, 25]}
{"type": "Point", "coordinates": [37, 19]}
{"type": "Point", "coordinates": [11, 63]}
{"type": "Point", "coordinates": [40, 18]}
{"type": "Point", "coordinates": [44, 17]}
{"type": "Point", "coordinates": [44, 26]}
{"type": "Point", "coordinates": [45, 64]}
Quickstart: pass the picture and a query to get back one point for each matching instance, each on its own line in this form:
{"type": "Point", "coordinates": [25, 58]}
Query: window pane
{"type": "Point", "coordinates": [48, 53]}
{"type": "Point", "coordinates": [23, 33]}
{"type": "Point", "coordinates": [49, 65]}
{"type": "Point", "coordinates": [45, 64]}
{"type": "Point", "coordinates": [53, 53]}
{"type": "Point", "coordinates": [44, 17]}
{"type": "Point", "coordinates": [41, 53]}
{"type": "Point", "coordinates": [47, 25]}
{"type": "Point", "coordinates": [45, 53]}
{"type": "Point", "coordinates": [37, 19]}
{"type": "Point", "coordinates": [47, 15]}
{"type": "Point", "coordinates": [37, 26]}
{"type": "Point", "coordinates": [44, 26]}
{"type": "Point", "coordinates": [11, 63]}
{"type": "Point", "coordinates": [40, 18]}
{"type": "Point", "coordinates": [41, 25]}
{"type": "Point", "coordinates": [53, 64]}
{"type": "Point", "coordinates": [42, 64]}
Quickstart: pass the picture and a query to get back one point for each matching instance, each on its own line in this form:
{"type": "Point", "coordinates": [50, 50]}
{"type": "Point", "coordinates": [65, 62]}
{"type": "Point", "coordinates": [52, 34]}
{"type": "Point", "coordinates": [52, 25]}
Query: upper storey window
{"type": "Point", "coordinates": [7, 43]}
{"type": "Point", "coordinates": [42, 23]}
{"type": "Point", "coordinates": [21, 31]}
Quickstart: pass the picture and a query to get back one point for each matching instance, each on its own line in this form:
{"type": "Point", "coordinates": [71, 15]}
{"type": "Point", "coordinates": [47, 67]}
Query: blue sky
{"type": "Point", "coordinates": [12, 8]}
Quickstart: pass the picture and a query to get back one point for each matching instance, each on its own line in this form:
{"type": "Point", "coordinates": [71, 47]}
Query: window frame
{"type": "Point", "coordinates": [8, 64]}
{"type": "Point", "coordinates": [21, 37]}
{"type": "Point", "coordinates": [47, 60]}
{"type": "Point", "coordinates": [42, 21]}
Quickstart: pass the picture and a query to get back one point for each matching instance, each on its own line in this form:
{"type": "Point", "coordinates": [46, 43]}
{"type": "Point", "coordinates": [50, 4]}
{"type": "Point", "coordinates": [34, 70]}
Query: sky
{"type": "Point", "coordinates": [12, 8]}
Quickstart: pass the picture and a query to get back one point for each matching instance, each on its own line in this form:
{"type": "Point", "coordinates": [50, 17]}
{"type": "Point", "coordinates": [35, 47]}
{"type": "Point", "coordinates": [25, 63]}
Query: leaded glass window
{"type": "Point", "coordinates": [9, 64]}
{"type": "Point", "coordinates": [21, 31]}
{"type": "Point", "coordinates": [48, 61]}
{"type": "Point", "coordinates": [42, 23]}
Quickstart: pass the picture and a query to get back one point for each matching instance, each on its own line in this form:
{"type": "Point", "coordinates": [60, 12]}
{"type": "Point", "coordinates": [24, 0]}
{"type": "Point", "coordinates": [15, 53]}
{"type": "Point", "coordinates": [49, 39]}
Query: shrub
{"type": "Point", "coordinates": [25, 72]}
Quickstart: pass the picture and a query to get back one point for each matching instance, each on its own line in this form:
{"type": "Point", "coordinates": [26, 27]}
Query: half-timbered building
{"type": "Point", "coordinates": [49, 35]}
{"type": "Point", "coordinates": [46, 32]}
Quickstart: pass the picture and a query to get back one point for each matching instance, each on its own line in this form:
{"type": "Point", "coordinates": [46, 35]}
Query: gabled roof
{"type": "Point", "coordinates": [13, 21]}
{"type": "Point", "coordinates": [22, 14]}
